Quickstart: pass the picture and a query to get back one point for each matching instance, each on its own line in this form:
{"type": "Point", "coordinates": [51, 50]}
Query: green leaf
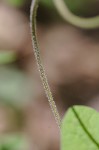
{"type": "Point", "coordinates": [13, 142]}
{"type": "Point", "coordinates": [80, 129]}
{"type": "Point", "coordinates": [83, 7]}
{"type": "Point", "coordinates": [47, 3]}
{"type": "Point", "coordinates": [15, 87]}
{"type": "Point", "coordinates": [7, 57]}
{"type": "Point", "coordinates": [17, 3]}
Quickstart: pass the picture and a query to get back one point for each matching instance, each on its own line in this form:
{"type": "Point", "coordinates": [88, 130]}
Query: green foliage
{"type": "Point", "coordinates": [13, 142]}
{"type": "Point", "coordinates": [14, 87]}
{"type": "Point", "coordinates": [17, 3]}
{"type": "Point", "coordinates": [47, 3]}
{"type": "Point", "coordinates": [83, 7]}
{"type": "Point", "coordinates": [79, 7]}
{"type": "Point", "coordinates": [80, 129]}
{"type": "Point", "coordinates": [7, 57]}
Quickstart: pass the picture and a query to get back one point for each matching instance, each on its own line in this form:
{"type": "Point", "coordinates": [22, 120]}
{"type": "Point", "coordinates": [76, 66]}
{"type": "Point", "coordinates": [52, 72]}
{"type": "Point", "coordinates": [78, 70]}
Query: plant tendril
{"type": "Point", "coordinates": [43, 76]}
{"type": "Point", "coordinates": [86, 23]}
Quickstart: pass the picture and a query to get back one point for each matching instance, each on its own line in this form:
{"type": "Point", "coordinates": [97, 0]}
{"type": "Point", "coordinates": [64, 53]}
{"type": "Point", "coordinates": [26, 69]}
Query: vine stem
{"type": "Point", "coordinates": [86, 23]}
{"type": "Point", "coordinates": [41, 69]}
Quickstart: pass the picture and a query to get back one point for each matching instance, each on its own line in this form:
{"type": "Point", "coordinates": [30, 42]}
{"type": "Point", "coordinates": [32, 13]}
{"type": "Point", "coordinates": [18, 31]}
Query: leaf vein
{"type": "Point", "coordinates": [84, 128]}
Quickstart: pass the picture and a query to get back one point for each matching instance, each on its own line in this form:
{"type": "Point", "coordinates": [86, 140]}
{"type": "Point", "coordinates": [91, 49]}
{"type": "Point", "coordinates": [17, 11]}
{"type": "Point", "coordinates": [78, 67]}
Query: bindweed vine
{"type": "Point", "coordinates": [43, 76]}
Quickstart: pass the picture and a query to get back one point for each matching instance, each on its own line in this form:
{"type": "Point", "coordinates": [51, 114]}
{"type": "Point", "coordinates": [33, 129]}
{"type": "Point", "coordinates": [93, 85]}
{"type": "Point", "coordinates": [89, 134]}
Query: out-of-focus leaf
{"type": "Point", "coordinates": [80, 129]}
{"type": "Point", "coordinates": [7, 57]}
{"type": "Point", "coordinates": [79, 7]}
{"type": "Point", "coordinates": [47, 3]}
{"type": "Point", "coordinates": [83, 7]}
{"type": "Point", "coordinates": [16, 3]}
{"type": "Point", "coordinates": [15, 87]}
{"type": "Point", "coordinates": [13, 142]}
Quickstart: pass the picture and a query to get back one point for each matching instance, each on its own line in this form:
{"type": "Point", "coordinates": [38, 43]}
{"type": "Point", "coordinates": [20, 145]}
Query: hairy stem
{"type": "Point", "coordinates": [43, 76]}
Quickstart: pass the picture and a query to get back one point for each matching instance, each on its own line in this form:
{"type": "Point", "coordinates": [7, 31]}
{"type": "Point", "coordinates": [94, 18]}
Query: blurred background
{"type": "Point", "coordinates": [71, 59]}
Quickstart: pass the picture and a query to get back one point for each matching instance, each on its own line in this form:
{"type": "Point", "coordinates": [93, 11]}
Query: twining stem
{"type": "Point", "coordinates": [43, 76]}
{"type": "Point", "coordinates": [86, 23]}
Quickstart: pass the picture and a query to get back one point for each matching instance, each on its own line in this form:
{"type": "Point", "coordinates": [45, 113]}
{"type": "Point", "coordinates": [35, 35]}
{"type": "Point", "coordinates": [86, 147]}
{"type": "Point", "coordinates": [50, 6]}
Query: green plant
{"type": "Point", "coordinates": [13, 142]}
{"type": "Point", "coordinates": [81, 13]}
{"type": "Point", "coordinates": [83, 7]}
{"type": "Point", "coordinates": [47, 3]}
{"type": "Point", "coordinates": [7, 57]}
{"type": "Point", "coordinates": [16, 3]}
{"type": "Point", "coordinates": [85, 23]}
{"type": "Point", "coordinates": [79, 7]}
{"type": "Point", "coordinates": [47, 89]}
{"type": "Point", "coordinates": [14, 91]}
{"type": "Point", "coordinates": [79, 128]}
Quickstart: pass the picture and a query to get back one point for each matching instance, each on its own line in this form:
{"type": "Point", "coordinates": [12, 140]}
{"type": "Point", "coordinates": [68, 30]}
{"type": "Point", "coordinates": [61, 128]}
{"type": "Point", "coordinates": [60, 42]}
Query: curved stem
{"type": "Point", "coordinates": [86, 23]}
{"type": "Point", "coordinates": [39, 62]}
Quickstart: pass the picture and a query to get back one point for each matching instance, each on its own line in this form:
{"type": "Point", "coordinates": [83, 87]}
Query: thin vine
{"type": "Point", "coordinates": [86, 23]}
{"type": "Point", "coordinates": [43, 76]}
